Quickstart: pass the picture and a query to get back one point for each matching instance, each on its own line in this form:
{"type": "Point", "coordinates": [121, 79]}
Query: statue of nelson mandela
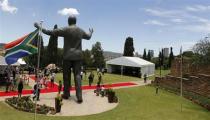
{"type": "Point", "coordinates": [72, 55]}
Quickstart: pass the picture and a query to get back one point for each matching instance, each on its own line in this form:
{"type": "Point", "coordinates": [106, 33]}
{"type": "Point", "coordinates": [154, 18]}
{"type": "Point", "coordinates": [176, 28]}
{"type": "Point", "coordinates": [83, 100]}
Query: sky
{"type": "Point", "coordinates": [153, 24]}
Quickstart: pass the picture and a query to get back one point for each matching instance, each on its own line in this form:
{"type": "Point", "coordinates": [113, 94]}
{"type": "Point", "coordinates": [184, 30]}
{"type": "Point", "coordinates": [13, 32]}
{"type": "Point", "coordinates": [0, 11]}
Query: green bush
{"type": "Point", "coordinates": [112, 98]}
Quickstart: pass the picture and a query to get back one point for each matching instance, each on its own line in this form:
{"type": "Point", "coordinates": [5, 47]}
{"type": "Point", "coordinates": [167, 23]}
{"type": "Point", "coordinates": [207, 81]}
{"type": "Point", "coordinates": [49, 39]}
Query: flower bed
{"type": "Point", "coordinates": [26, 104]}
{"type": "Point", "coordinates": [109, 93]}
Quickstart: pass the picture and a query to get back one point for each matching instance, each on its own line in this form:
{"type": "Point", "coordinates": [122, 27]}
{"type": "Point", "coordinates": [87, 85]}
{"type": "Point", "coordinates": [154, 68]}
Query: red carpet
{"type": "Point", "coordinates": [55, 88]}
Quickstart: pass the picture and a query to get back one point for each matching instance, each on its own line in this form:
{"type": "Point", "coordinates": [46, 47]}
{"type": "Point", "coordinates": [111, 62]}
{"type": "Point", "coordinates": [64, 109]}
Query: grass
{"type": "Point", "coordinates": [157, 73]}
{"type": "Point", "coordinates": [139, 103]}
{"type": "Point", "coordinates": [111, 78]}
{"type": "Point", "coordinates": [107, 78]}
{"type": "Point", "coordinates": [25, 86]}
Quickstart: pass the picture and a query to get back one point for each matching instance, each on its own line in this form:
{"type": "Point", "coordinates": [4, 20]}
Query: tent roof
{"type": "Point", "coordinates": [130, 61]}
{"type": "Point", "coordinates": [3, 62]}
{"type": "Point", "coordinates": [21, 61]}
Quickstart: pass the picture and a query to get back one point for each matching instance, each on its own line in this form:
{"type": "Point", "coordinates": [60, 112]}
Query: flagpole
{"type": "Point", "coordinates": [181, 93]}
{"type": "Point", "coordinates": [38, 64]}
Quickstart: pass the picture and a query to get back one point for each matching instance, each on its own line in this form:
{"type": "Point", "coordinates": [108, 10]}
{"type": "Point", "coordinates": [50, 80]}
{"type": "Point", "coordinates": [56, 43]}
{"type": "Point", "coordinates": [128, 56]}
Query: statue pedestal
{"type": "Point", "coordinates": [70, 106]}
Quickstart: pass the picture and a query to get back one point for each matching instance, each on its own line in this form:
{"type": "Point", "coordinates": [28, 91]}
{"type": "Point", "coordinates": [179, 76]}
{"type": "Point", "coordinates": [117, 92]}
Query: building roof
{"type": "Point", "coordinates": [130, 61]}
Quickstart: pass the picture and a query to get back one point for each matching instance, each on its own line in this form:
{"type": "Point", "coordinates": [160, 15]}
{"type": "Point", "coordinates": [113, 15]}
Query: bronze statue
{"type": "Point", "coordinates": [72, 55]}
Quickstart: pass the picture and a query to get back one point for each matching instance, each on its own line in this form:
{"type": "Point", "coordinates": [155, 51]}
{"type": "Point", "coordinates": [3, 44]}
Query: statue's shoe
{"type": "Point", "coordinates": [79, 101]}
{"type": "Point", "coordinates": [65, 96]}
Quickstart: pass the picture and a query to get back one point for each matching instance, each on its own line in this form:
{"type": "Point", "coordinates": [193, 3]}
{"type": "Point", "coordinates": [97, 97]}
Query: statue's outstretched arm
{"type": "Point", "coordinates": [87, 36]}
{"type": "Point", "coordinates": [55, 32]}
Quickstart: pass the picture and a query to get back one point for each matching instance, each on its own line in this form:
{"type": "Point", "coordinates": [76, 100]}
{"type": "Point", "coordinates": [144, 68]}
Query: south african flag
{"type": "Point", "coordinates": [21, 47]}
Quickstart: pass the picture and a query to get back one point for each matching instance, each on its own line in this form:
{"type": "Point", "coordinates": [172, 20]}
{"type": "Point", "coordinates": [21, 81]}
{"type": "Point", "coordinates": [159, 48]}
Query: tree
{"type": "Point", "coordinates": [98, 57]}
{"type": "Point", "coordinates": [60, 57]}
{"type": "Point", "coordinates": [145, 54]}
{"type": "Point", "coordinates": [87, 60]}
{"type": "Point", "coordinates": [171, 58]}
{"type": "Point", "coordinates": [52, 48]}
{"type": "Point", "coordinates": [128, 47]}
{"type": "Point", "coordinates": [202, 47]}
{"type": "Point", "coordinates": [188, 54]}
{"type": "Point", "coordinates": [149, 56]}
{"type": "Point", "coordinates": [160, 58]}
{"type": "Point", "coordinates": [202, 52]}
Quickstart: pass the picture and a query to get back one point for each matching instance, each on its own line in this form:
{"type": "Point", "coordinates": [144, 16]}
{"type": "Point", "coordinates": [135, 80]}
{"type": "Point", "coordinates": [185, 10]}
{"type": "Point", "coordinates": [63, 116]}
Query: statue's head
{"type": "Point", "coordinates": [72, 20]}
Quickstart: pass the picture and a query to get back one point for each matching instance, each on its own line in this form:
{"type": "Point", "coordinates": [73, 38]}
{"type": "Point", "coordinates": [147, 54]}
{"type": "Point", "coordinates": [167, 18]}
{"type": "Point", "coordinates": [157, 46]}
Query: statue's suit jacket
{"type": "Point", "coordinates": [73, 36]}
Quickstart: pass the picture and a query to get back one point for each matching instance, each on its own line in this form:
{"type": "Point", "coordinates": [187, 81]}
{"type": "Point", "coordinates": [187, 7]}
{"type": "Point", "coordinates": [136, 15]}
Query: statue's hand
{"type": "Point", "coordinates": [36, 25]}
{"type": "Point", "coordinates": [91, 30]}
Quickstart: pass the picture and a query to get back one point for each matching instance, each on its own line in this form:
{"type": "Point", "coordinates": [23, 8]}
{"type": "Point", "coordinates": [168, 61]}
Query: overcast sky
{"type": "Point", "coordinates": [152, 23]}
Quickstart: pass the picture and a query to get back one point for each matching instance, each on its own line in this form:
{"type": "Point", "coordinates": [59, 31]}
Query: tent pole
{"type": "Point", "coordinates": [121, 70]}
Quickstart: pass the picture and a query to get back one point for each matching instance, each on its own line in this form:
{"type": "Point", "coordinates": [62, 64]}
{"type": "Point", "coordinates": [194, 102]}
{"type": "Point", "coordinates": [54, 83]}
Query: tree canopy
{"type": "Point", "coordinates": [128, 47]}
{"type": "Point", "coordinates": [52, 48]}
{"type": "Point", "coordinates": [97, 54]}
{"type": "Point", "coordinates": [171, 57]}
{"type": "Point", "coordinates": [149, 56]}
{"type": "Point", "coordinates": [87, 60]}
{"type": "Point", "coordinates": [202, 51]}
{"type": "Point", "coordinates": [145, 55]}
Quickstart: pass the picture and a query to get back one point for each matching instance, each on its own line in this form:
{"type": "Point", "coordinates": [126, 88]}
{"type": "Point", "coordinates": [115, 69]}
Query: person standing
{"type": "Point", "coordinates": [36, 91]}
{"type": "Point", "coordinates": [14, 74]}
{"type": "Point", "coordinates": [103, 71]}
{"type": "Point", "coordinates": [91, 77]}
{"type": "Point", "coordinates": [45, 82]}
{"type": "Point", "coordinates": [58, 103]}
{"type": "Point", "coordinates": [59, 87]}
{"type": "Point", "coordinates": [145, 78]}
{"type": "Point", "coordinates": [45, 72]}
{"type": "Point", "coordinates": [20, 87]}
{"type": "Point", "coordinates": [52, 79]}
{"type": "Point", "coordinates": [98, 70]}
{"type": "Point", "coordinates": [99, 78]}
{"type": "Point", "coordinates": [81, 74]}
{"type": "Point", "coordinates": [7, 79]}
{"type": "Point", "coordinates": [13, 80]}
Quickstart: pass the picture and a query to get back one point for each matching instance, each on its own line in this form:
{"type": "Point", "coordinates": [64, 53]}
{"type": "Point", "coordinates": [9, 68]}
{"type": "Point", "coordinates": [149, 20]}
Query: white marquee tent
{"type": "Point", "coordinates": [21, 61]}
{"type": "Point", "coordinates": [145, 67]}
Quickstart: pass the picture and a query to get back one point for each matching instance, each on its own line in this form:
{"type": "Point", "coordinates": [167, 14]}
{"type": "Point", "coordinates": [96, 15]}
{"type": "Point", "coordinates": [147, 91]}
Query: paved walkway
{"type": "Point", "coordinates": [92, 104]}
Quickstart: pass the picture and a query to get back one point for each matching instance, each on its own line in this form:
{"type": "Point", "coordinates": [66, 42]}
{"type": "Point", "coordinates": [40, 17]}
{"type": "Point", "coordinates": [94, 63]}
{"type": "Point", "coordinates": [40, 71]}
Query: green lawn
{"type": "Point", "coordinates": [139, 103]}
{"type": "Point", "coordinates": [157, 73]}
{"type": "Point", "coordinates": [25, 86]}
{"type": "Point", "coordinates": [107, 78]}
{"type": "Point", "coordinates": [112, 78]}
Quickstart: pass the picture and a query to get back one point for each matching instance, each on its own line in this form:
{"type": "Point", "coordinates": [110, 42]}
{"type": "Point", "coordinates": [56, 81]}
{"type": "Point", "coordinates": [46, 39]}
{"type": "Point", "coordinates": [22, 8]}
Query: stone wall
{"type": "Point", "coordinates": [188, 68]}
{"type": "Point", "coordinates": [199, 84]}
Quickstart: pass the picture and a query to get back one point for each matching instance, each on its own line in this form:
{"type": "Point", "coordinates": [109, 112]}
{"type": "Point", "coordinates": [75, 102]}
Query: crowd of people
{"type": "Point", "coordinates": [45, 79]}
{"type": "Point", "coordinates": [16, 79]}
{"type": "Point", "coordinates": [91, 77]}
{"type": "Point", "coordinates": [13, 78]}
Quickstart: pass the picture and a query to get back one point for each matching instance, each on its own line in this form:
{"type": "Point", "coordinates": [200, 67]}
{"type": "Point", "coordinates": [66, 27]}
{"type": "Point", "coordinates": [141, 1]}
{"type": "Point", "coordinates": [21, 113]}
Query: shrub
{"type": "Point", "coordinates": [112, 98]}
